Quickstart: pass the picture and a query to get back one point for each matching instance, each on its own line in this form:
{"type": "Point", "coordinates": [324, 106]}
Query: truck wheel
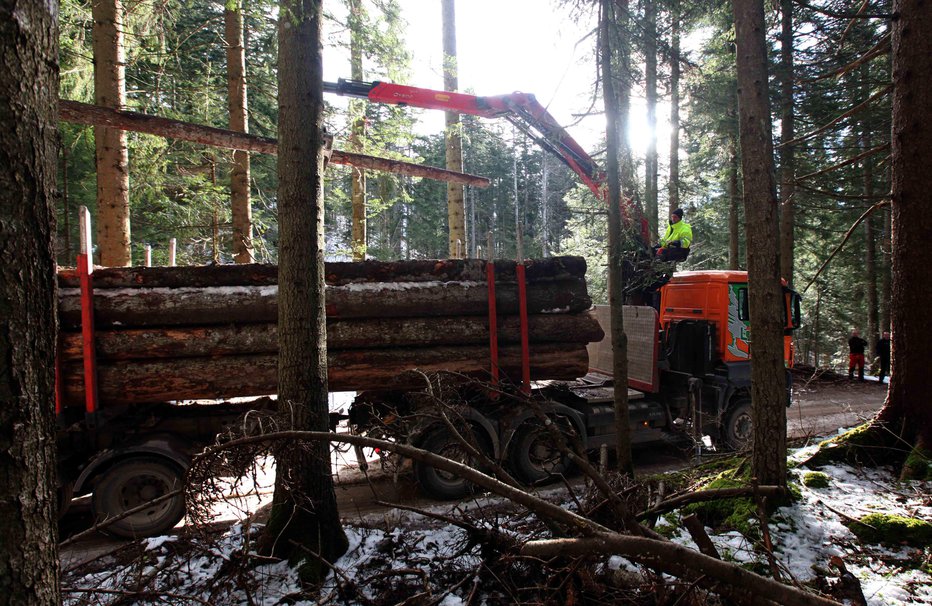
{"type": "Point", "coordinates": [534, 456]}
{"type": "Point", "coordinates": [441, 484]}
{"type": "Point", "coordinates": [738, 429]}
{"type": "Point", "coordinates": [133, 482]}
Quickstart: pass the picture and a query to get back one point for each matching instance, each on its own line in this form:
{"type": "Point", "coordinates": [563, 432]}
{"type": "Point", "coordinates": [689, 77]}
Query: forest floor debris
{"type": "Point", "coordinates": [407, 557]}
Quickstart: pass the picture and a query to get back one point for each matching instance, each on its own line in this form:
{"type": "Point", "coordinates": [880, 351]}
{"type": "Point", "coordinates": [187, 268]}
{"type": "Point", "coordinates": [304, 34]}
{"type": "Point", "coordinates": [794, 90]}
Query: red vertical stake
{"type": "Point", "coordinates": [522, 314]}
{"type": "Point", "coordinates": [85, 269]}
{"type": "Point", "coordinates": [87, 336]}
{"type": "Point", "coordinates": [493, 322]}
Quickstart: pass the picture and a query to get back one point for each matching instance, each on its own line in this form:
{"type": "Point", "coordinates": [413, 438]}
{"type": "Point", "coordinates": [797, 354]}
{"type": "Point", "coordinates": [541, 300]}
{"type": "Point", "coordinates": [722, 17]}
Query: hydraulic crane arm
{"type": "Point", "coordinates": [521, 109]}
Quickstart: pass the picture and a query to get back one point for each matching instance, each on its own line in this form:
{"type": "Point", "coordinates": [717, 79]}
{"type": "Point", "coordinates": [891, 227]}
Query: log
{"type": "Point", "coordinates": [378, 333]}
{"type": "Point", "coordinates": [243, 304]}
{"type": "Point", "coordinates": [337, 273]}
{"type": "Point", "coordinates": [95, 115]}
{"type": "Point", "coordinates": [349, 370]}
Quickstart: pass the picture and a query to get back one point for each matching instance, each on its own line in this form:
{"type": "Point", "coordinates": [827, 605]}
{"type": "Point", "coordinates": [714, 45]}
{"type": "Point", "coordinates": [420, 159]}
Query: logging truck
{"type": "Point", "coordinates": [140, 349]}
{"type": "Point", "coordinates": [141, 346]}
{"type": "Point", "coordinates": [689, 376]}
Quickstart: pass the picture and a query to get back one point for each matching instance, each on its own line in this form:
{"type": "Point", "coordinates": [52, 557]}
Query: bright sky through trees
{"type": "Point", "coordinates": [504, 46]}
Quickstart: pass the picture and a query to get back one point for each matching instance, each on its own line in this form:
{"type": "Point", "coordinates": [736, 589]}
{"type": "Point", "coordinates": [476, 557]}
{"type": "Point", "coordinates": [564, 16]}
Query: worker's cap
{"type": "Point", "coordinates": [678, 212]}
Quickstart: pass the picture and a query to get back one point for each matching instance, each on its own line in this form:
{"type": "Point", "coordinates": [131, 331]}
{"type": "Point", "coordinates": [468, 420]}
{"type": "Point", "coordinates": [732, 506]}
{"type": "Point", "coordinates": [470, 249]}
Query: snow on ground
{"type": "Point", "coordinates": [386, 557]}
{"type": "Point", "coordinates": [808, 533]}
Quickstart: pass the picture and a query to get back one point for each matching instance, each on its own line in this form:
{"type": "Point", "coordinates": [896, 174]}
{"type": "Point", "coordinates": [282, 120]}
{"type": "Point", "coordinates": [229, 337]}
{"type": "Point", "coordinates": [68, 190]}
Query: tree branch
{"type": "Point", "coordinates": [869, 152]}
{"type": "Point", "coordinates": [95, 115]}
{"type": "Point", "coordinates": [837, 15]}
{"type": "Point", "coordinates": [539, 506]}
{"type": "Point", "coordinates": [882, 46]}
{"type": "Point", "coordinates": [848, 235]}
{"type": "Point", "coordinates": [710, 495]}
{"type": "Point", "coordinates": [857, 108]}
{"type": "Point", "coordinates": [727, 579]}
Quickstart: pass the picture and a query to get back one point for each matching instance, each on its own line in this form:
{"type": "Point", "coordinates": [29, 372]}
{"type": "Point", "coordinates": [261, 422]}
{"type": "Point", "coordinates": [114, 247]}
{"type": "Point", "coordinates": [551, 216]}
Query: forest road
{"type": "Point", "coordinates": [818, 410]}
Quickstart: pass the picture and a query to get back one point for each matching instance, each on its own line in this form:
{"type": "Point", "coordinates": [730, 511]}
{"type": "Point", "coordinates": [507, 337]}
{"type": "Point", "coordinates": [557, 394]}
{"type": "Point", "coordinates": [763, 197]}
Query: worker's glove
{"type": "Point", "coordinates": [675, 244]}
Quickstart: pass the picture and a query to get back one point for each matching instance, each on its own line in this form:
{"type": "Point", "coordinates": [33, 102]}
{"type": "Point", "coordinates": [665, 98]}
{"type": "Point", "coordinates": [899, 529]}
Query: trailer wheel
{"type": "Point", "coordinates": [441, 484]}
{"type": "Point", "coordinates": [534, 456]}
{"type": "Point", "coordinates": [133, 482]}
{"type": "Point", "coordinates": [738, 429]}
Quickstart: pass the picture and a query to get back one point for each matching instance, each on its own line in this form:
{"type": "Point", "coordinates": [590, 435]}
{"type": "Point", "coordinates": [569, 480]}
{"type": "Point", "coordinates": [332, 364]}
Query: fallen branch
{"type": "Point", "coordinates": [700, 496]}
{"type": "Point", "coordinates": [729, 580]}
{"type": "Point", "coordinates": [540, 507]}
{"type": "Point", "coordinates": [137, 594]}
{"type": "Point", "coordinates": [700, 536]}
{"type": "Point", "coordinates": [111, 520]}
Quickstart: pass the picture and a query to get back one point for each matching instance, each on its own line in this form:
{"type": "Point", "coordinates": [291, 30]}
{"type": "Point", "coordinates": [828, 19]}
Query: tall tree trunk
{"type": "Point", "coordinates": [870, 241]}
{"type": "Point", "coordinates": [886, 285]}
{"type": "Point", "coordinates": [545, 207]}
{"type": "Point", "coordinates": [456, 215]}
{"type": "Point", "coordinates": [66, 207]}
{"type": "Point", "coordinates": [358, 118]}
{"type": "Point", "coordinates": [113, 234]}
{"type": "Point", "coordinates": [787, 134]}
{"type": "Point", "coordinates": [907, 411]}
{"type": "Point", "coordinates": [28, 169]}
{"type": "Point", "coordinates": [674, 185]}
{"type": "Point", "coordinates": [650, 85]}
{"type": "Point", "coordinates": [239, 121]}
{"type": "Point", "coordinates": [768, 373]}
{"type": "Point", "coordinates": [304, 517]}
{"type": "Point", "coordinates": [734, 200]}
{"type": "Point", "coordinates": [613, 58]}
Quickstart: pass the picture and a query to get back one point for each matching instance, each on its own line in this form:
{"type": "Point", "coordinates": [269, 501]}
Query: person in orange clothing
{"type": "Point", "coordinates": [856, 347]}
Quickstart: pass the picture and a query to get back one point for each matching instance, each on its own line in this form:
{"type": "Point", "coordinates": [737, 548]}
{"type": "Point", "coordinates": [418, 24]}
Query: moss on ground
{"type": "Point", "coordinates": [918, 465]}
{"type": "Point", "coordinates": [816, 479]}
{"type": "Point", "coordinates": [892, 529]}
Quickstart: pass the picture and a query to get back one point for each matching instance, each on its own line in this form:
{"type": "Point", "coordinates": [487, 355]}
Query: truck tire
{"type": "Point", "coordinates": [132, 482]}
{"type": "Point", "coordinates": [738, 429]}
{"type": "Point", "coordinates": [534, 457]}
{"type": "Point", "coordinates": [440, 484]}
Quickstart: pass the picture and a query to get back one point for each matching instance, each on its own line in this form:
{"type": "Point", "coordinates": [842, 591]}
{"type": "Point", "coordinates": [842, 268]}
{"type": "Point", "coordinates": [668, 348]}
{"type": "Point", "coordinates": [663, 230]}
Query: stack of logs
{"type": "Point", "coordinates": [179, 333]}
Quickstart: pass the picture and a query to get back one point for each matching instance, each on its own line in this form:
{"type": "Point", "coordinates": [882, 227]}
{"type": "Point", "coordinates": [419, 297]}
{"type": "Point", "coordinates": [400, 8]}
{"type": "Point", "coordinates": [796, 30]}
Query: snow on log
{"type": "Point", "coordinates": [336, 273]}
{"type": "Point", "coordinates": [369, 333]}
{"type": "Point", "coordinates": [140, 307]}
{"type": "Point", "coordinates": [252, 375]}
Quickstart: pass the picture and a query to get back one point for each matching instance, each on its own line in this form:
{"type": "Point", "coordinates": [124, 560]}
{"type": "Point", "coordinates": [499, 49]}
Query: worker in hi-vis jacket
{"type": "Point", "coordinates": [674, 245]}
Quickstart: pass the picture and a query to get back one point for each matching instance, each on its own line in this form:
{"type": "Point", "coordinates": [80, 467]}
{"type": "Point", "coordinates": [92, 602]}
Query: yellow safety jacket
{"type": "Point", "coordinates": [678, 231]}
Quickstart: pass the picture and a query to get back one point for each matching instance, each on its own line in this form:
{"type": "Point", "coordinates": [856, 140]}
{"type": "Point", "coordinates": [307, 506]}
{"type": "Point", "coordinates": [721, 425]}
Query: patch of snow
{"type": "Point", "coordinates": [384, 286]}
{"type": "Point", "coordinates": [153, 543]}
{"type": "Point", "coordinates": [556, 310]}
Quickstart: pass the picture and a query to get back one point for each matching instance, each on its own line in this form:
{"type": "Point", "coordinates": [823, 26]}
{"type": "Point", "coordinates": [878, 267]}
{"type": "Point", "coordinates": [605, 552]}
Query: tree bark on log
{"type": "Point", "coordinates": [95, 115]}
{"type": "Point", "coordinates": [224, 305]}
{"type": "Point", "coordinates": [357, 370]}
{"type": "Point", "coordinates": [337, 273]}
{"type": "Point", "coordinates": [376, 333]}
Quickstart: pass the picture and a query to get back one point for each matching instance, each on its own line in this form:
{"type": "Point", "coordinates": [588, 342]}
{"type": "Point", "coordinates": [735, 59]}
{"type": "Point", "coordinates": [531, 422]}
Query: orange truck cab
{"type": "Point", "coordinates": [689, 360]}
{"type": "Point", "coordinates": [705, 349]}
{"type": "Point", "coordinates": [721, 298]}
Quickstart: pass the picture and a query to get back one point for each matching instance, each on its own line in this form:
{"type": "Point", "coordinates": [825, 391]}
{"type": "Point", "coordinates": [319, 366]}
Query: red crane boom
{"type": "Point", "coordinates": [521, 109]}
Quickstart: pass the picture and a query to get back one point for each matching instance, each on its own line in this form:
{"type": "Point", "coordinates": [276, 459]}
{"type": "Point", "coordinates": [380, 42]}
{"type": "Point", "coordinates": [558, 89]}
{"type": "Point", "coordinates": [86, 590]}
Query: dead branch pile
{"type": "Point", "coordinates": [550, 554]}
